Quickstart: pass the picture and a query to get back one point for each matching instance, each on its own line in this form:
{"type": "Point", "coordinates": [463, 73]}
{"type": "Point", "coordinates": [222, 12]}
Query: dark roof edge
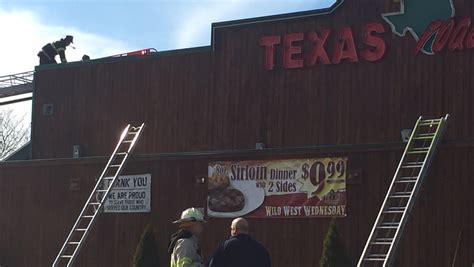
{"type": "Point", "coordinates": [293, 15]}
{"type": "Point", "coordinates": [21, 153]}
{"type": "Point", "coordinates": [272, 18]}
{"type": "Point", "coordinates": [216, 154]}
{"type": "Point", "coordinates": [111, 59]}
{"type": "Point", "coordinates": [247, 154]}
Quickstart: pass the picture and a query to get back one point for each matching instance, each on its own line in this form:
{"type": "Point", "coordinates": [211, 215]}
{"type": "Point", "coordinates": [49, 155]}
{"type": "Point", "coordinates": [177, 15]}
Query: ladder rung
{"type": "Point", "coordinates": [115, 166]}
{"type": "Point", "coordinates": [375, 257]}
{"type": "Point", "coordinates": [415, 163]}
{"type": "Point", "coordinates": [412, 166]}
{"type": "Point", "coordinates": [396, 208]}
{"type": "Point", "coordinates": [66, 256]}
{"type": "Point", "coordinates": [427, 120]}
{"type": "Point", "coordinates": [400, 196]}
{"type": "Point", "coordinates": [384, 239]}
{"type": "Point", "coordinates": [390, 224]}
{"type": "Point", "coordinates": [402, 193]}
{"type": "Point", "coordinates": [80, 230]}
{"type": "Point", "coordinates": [94, 203]}
{"type": "Point", "coordinates": [108, 178]}
{"type": "Point", "coordinates": [393, 211]}
{"type": "Point", "coordinates": [420, 149]}
{"type": "Point", "coordinates": [425, 135]}
{"type": "Point", "coordinates": [88, 216]}
{"type": "Point", "coordinates": [101, 190]}
{"type": "Point", "coordinates": [430, 122]}
{"type": "Point", "coordinates": [405, 181]}
{"type": "Point", "coordinates": [127, 141]}
{"type": "Point", "coordinates": [132, 132]}
{"type": "Point", "coordinates": [73, 243]}
{"type": "Point", "coordinates": [407, 178]}
{"type": "Point", "coordinates": [387, 227]}
{"type": "Point", "coordinates": [380, 243]}
{"type": "Point", "coordinates": [417, 152]}
{"type": "Point", "coordinates": [122, 153]}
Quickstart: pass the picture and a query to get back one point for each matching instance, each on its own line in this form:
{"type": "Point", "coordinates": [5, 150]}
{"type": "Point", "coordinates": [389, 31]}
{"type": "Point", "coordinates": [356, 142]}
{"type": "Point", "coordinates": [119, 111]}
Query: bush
{"type": "Point", "coordinates": [334, 253]}
{"type": "Point", "coordinates": [146, 254]}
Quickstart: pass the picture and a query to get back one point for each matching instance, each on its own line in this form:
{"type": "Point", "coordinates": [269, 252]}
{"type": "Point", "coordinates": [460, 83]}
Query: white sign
{"type": "Point", "coordinates": [131, 193]}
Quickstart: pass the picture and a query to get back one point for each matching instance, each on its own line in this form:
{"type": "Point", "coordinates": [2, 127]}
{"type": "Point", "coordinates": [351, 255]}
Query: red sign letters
{"type": "Point", "coordinates": [454, 35]}
{"type": "Point", "coordinates": [298, 50]}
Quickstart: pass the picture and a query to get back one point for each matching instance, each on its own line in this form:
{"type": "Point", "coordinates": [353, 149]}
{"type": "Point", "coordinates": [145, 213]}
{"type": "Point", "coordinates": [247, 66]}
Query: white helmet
{"type": "Point", "coordinates": [191, 215]}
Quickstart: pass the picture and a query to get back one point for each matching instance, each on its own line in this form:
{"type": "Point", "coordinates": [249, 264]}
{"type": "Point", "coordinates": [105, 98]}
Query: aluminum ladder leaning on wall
{"type": "Point", "coordinates": [92, 208]}
{"type": "Point", "coordinates": [387, 231]}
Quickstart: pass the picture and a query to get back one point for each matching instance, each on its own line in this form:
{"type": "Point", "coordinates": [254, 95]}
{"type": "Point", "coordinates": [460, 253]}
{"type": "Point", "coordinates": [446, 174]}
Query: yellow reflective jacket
{"type": "Point", "coordinates": [186, 253]}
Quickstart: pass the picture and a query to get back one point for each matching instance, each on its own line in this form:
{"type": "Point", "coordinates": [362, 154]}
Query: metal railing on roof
{"type": "Point", "coordinates": [16, 84]}
{"type": "Point", "coordinates": [16, 79]}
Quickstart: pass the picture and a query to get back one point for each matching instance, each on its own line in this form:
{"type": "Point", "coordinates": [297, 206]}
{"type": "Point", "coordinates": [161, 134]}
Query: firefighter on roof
{"type": "Point", "coordinates": [49, 51]}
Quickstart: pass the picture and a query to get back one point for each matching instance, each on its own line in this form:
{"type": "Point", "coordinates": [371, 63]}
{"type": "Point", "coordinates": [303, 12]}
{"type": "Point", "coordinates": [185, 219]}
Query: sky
{"type": "Point", "coordinates": [104, 28]}
{"type": "Point", "coordinates": [107, 27]}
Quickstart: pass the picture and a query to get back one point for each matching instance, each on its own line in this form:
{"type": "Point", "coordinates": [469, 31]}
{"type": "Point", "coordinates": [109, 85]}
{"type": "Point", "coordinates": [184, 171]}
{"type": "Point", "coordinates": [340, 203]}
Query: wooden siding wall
{"type": "Point", "coordinates": [94, 102]}
{"type": "Point", "coordinates": [38, 209]}
{"type": "Point", "coordinates": [349, 103]}
{"type": "Point", "coordinates": [223, 99]}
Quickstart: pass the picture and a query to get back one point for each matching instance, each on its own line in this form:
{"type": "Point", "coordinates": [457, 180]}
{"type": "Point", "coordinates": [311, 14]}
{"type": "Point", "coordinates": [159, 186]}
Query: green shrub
{"type": "Point", "coordinates": [334, 253]}
{"type": "Point", "coordinates": [146, 254]}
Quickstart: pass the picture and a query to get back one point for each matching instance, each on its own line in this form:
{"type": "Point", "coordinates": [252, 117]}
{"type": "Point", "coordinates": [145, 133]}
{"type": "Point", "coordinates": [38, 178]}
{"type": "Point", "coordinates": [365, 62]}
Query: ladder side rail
{"type": "Point", "coordinates": [427, 161]}
{"type": "Point", "coordinates": [92, 221]}
{"type": "Point", "coordinates": [78, 220]}
{"type": "Point", "coordinates": [109, 188]}
{"type": "Point", "coordinates": [386, 199]}
{"type": "Point", "coordinates": [124, 133]}
{"type": "Point", "coordinates": [120, 169]}
{"type": "Point", "coordinates": [112, 182]}
{"type": "Point", "coordinates": [414, 193]}
{"type": "Point", "coordinates": [122, 164]}
{"type": "Point", "coordinates": [99, 206]}
{"type": "Point", "coordinates": [81, 241]}
{"type": "Point", "coordinates": [135, 139]}
{"type": "Point", "coordinates": [99, 181]}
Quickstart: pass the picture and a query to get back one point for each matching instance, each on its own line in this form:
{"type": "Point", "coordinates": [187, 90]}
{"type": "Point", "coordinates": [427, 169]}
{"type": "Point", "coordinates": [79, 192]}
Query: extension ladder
{"type": "Point", "coordinates": [406, 183]}
{"type": "Point", "coordinates": [104, 185]}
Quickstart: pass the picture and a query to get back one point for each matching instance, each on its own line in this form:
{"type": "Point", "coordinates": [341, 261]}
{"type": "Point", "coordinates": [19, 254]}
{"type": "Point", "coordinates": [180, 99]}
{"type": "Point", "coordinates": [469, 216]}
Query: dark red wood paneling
{"type": "Point", "coordinates": [38, 209]}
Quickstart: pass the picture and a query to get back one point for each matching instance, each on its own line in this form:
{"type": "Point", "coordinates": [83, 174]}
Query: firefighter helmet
{"type": "Point", "coordinates": [190, 215]}
{"type": "Point", "coordinates": [69, 38]}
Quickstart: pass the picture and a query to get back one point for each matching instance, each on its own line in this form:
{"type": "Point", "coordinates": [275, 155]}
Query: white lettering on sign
{"type": "Point", "coordinates": [131, 193]}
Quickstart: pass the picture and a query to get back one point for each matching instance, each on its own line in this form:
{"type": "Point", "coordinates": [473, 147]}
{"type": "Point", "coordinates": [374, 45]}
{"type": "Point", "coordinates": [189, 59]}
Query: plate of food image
{"type": "Point", "coordinates": [237, 199]}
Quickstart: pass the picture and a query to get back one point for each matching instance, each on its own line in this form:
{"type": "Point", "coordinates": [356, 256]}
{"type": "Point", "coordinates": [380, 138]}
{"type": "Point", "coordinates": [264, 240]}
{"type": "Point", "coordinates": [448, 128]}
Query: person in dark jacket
{"type": "Point", "coordinates": [49, 51]}
{"type": "Point", "coordinates": [240, 249]}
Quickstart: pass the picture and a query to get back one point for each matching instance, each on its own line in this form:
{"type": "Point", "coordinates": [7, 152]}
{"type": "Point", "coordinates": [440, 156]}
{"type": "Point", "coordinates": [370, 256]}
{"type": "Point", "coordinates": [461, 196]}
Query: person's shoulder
{"type": "Point", "coordinates": [60, 43]}
{"type": "Point", "coordinates": [259, 245]}
{"type": "Point", "coordinates": [229, 240]}
{"type": "Point", "coordinates": [232, 240]}
{"type": "Point", "coordinates": [239, 239]}
{"type": "Point", "coordinates": [185, 242]}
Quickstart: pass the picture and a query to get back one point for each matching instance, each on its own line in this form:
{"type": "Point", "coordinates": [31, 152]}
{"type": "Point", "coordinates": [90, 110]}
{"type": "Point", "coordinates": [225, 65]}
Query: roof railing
{"type": "Point", "coordinates": [16, 79]}
{"type": "Point", "coordinates": [14, 85]}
